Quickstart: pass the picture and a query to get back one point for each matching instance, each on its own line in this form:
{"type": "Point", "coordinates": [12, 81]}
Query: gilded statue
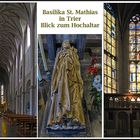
{"type": "Point", "coordinates": [66, 90]}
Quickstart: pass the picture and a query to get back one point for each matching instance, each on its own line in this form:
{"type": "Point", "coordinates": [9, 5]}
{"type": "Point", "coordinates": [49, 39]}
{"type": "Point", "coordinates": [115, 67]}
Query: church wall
{"type": "Point", "coordinates": [112, 127]}
{"type": "Point", "coordinates": [24, 72]}
{"type": "Point", "coordinates": [110, 124]}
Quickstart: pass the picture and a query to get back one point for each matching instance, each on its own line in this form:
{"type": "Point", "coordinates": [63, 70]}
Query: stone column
{"type": "Point", "coordinates": [42, 53]}
{"type": "Point", "coordinates": [14, 81]}
{"type": "Point", "coordinates": [31, 100]}
{"type": "Point", "coordinates": [18, 76]}
{"type": "Point", "coordinates": [16, 104]}
{"type": "Point", "coordinates": [10, 95]}
{"type": "Point", "coordinates": [33, 90]}
{"type": "Point", "coordinates": [51, 46]}
{"type": "Point", "coordinates": [24, 45]}
{"type": "Point", "coordinates": [80, 45]}
{"type": "Point", "coordinates": [125, 62]}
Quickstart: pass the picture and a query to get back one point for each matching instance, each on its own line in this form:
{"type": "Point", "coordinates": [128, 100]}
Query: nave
{"type": "Point", "coordinates": [18, 64]}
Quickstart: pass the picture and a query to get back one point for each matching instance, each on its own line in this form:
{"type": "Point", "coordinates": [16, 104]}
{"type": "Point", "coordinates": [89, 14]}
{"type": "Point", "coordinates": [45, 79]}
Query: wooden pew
{"type": "Point", "coordinates": [25, 124]}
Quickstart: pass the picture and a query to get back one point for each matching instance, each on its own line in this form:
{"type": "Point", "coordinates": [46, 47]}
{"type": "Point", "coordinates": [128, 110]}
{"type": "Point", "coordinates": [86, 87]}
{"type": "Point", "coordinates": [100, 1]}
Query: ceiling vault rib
{"type": "Point", "coordinates": [11, 30]}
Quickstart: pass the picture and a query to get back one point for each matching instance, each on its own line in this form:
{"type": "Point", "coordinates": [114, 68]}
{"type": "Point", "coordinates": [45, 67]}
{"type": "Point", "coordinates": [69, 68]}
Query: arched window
{"type": "Point", "coordinates": [2, 94]}
{"type": "Point", "coordinates": [134, 53]}
{"type": "Point", "coordinates": [110, 55]}
{"type": "Point", "coordinates": [28, 37]}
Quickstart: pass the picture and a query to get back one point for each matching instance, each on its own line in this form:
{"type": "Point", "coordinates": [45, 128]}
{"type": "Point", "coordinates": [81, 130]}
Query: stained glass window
{"type": "Point", "coordinates": [2, 94]}
{"type": "Point", "coordinates": [134, 53]}
{"type": "Point", "coordinates": [110, 60]}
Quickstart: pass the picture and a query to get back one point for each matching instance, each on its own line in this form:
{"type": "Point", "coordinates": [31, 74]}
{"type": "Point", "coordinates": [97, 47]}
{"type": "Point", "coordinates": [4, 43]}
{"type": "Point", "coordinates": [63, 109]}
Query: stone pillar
{"type": "Point", "coordinates": [10, 95]}
{"type": "Point", "coordinates": [28, 104]}
{"type": "Point", "coordinates": [119, 61]}
{"type": "Point", "coordinates": [42, 52]}
{"type": "Point", "coordinates": [123, 59]}
{"type": "Point", "coordinates": [14, 86]}
{"type": "Point", "coordinates": [18, 76]}
{"type": "Point", "coordinates": [125, 62]}
{"type": "Point", "coordinates": [24, 45]}
{"type": "Point", "coordinates": [31, 100]}
{"type": "Point", "coordinates": [20, 101]}
{"type": "Point", "coordinates": [24, 102]}
{"type": "Point", "coordinates": [51, 46]}
{"type": "Point", "coordinates": [16, 104]}
{"type": "Point", "coordinates": [33, 90]}
{"type": "Point", "coordinates": [80, 45]}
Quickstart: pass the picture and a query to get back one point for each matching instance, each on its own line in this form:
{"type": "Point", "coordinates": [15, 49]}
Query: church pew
{"type": "Point", "coordinates": [25, 124]}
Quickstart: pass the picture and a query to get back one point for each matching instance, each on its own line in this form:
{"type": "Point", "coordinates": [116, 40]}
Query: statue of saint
{"type": "Point", "coordinates": [66, 90]}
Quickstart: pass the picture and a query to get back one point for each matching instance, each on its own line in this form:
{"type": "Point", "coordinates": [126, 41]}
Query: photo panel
{"type": "Point", "coordinates": [70, 85]}
{"type": "Point", "coordinates": [18, 70]}
{"type": "Point", "coordinates": [121, 70]}
{"type": "Point", "coordinates": [70, 69]}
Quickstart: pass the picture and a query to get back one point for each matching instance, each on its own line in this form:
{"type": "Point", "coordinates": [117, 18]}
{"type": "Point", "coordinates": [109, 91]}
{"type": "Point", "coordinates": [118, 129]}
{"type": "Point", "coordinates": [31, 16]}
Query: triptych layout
{"type": "Point", "coordinates": [68, 71]}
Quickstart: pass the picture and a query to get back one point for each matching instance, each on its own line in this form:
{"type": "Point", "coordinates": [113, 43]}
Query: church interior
{"type": "Point", "coordinates": [26, 96]}
{"type": "Point", "coordinates": [18, 68]}
{"type": "Point", "coordinates": [121, 70]}
{"type": "Point", "coordinates": [89, 53]}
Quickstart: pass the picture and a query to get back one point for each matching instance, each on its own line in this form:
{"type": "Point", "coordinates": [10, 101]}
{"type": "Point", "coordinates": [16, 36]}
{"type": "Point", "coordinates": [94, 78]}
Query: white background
{"type": "Point", "coordinates": [49, 6]}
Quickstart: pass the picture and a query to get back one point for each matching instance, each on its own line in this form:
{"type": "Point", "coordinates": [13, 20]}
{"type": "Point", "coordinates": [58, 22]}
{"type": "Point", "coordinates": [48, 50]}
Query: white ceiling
{"type": "Point", "coordinates": [11, 15]}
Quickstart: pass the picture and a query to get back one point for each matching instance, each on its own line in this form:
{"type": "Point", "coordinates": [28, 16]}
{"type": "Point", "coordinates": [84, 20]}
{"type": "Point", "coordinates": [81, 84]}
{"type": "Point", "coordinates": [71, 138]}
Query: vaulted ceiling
{"type": "Point", "coordinates": [124, 12]}
{"type": "Point", "coordinates": [11, 17]}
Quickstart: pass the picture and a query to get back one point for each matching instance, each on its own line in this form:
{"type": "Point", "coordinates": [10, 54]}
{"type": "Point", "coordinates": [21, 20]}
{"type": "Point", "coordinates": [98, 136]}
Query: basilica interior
{"type": "Point", "coordinates": [121, 70]}
{"type": "Point", "coordinates": [25, 96]}
{"type": "Point", "coordinates": [18, 65]}
{"type": "Point", "coordinates": [89, 51]}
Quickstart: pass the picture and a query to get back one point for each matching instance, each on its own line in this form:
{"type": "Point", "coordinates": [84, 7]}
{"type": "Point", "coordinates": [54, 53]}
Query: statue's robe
{"type": "Point", "coordinates": [66, 88]}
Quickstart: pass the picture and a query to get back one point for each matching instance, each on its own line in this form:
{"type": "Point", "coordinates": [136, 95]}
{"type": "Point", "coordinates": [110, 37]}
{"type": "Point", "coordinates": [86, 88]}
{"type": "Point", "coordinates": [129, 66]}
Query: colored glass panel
{"type": "Point", "coordinates": [134, 53]}
{"type": "Point", "coordinates": [110, 78]}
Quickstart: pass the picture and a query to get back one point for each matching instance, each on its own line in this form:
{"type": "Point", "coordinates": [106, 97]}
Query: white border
{"type": "Point", "coordinates": [102, 82]}
{"type": "Point", "coordinates": [70, 5]}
